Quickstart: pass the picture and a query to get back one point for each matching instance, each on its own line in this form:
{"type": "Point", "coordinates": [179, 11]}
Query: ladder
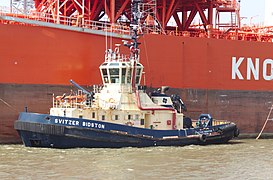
{"type": "Point", "coordinates": [267, 119]}
{"type": "Point", "coordinates": [232, 7]}
{"type": "Point", "coordinates": [148, 21]}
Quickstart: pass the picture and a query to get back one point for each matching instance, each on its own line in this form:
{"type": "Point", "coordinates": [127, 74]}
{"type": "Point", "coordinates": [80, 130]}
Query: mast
{"type": "Point", "coordinates": [134, 26]}
{"type": "Point", "coordinates": [135, 20]}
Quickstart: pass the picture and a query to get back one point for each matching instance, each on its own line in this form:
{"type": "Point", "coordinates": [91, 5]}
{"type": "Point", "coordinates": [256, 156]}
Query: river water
{"type": "Point", "coordinates": [243, 159]}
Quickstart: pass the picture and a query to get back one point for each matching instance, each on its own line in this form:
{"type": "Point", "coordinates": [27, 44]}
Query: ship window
{"type": "Point", "coordinates": [93, 115]}
{"type": "Point", "coordinates": [114, 71]}
{"type": "Point", "coordinates": [137, 116]}
{"type": "Point", "coordinates": [141, 121]}
{"type": "Point", "coordinates": [129, 76]}
{"type": "Point", "coordinates": [123, 74]}
{"type": "Point", "coordinates": [129, 116]}
{"type": "Point", "coordinates": [114, 64]}
{"type": "Point", "coordinates": [80, 116]}
{"type": "Point", "coordinates": [106, 80]}
{"type": "Point", "coordinates": [104, 71]}
{"type": "Point", "coordinates": [116, 117]}
{"type": "Point", "coordinates": [138, 75]}
{"type": "Point", "coordinates": [103, 117]}
{"type": "Point", "coordinates": [105, 75]}
{"type": "Point", "coordinates": [114, 75]}
{"type": "Point", "coordinates": [137, 80]}
{"type": "Point", "coordinates": [138, 71]}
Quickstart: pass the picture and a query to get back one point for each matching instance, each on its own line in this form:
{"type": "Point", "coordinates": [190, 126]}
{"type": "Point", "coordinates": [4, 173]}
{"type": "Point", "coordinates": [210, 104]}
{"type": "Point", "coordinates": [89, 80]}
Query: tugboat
{"type": "Point", "coordinates": [120, 113]}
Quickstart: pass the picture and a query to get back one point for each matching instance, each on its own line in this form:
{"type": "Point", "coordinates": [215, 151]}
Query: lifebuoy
{"type": "Point", "coordinates": [111, 100]}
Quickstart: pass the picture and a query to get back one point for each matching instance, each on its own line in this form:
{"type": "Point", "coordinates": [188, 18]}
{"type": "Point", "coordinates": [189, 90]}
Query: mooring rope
{"type": "Point", "coordinates": [7, 104]}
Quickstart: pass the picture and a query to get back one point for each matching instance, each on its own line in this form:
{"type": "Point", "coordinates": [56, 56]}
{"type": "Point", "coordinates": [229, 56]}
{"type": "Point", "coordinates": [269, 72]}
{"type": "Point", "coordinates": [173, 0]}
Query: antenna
{"type": "Point", "coordinates": [134, 27]}
{"type": "Point", "coordinates": [135, 21]}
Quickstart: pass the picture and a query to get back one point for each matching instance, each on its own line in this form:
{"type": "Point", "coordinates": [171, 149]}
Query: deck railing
{"type": "Point", "coordinates": [214, 122]}
{"type": "Point", "coordinates": [70, 21]}
{"type": "Point", "coordinates": [262, 34]}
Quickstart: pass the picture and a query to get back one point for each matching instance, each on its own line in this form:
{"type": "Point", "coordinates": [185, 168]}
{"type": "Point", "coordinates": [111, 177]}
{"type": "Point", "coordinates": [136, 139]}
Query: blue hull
{"type": "Point", "coordinates": [41, 130]}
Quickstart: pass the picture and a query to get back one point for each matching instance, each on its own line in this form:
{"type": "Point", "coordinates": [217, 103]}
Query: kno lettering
{"type": "Point", "coordinates": [253, 68]}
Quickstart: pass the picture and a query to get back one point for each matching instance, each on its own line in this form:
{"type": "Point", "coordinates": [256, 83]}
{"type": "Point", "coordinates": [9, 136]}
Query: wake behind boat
{"type": "Point", "coordinates": [120, 113]}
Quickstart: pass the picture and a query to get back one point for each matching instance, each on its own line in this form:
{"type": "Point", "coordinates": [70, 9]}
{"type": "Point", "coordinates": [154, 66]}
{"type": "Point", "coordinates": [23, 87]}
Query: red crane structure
{"type": "Point", "coordinates": [159, 10]}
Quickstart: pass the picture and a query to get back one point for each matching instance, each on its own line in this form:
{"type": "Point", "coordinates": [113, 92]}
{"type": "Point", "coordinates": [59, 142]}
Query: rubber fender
{"type": "Point", "coordinates": [202, 137]}
{"type": "Point", "coordinates": [229, 128]}
{"type": "Point", "coordinates": [236, 132]}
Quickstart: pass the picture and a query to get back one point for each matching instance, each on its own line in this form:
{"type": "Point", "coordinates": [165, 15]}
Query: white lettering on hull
{"type": "Point", "coordinates": [93, 125]}
{"type": "Point", "coordinates": [67, 122]}
{"type": "Point", "coordinates": [252, 69]}
{"type": "Point", "coordinates": [77, 123]}
{"type": "Point", "coordinates": [235, 68]}
{"type": "Point", "coordinates": [268, 76]}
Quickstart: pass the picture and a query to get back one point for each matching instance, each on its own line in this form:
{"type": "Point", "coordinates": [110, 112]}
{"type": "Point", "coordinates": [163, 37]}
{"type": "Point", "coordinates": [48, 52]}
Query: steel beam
{"type": "Point", "coordinates": [190, 19]}
{"type": "Point", "coordinates": [177, 20]}
{"type": "Point", "coordinates": [106, 8]}
{"type": "Point", "coordinates": [112, 11]}
{"type": "Point", "coordinates": [94, 7]}
{"type": "Point", "coordinates": [170, 9]}
{"type": "Point", "coordinates": [122, 8]}
{"type": "Point", "coordinates": [210, 13]}
{"type": "Point", "coordinates": [163, 13]}
{"type": "Point", "coordinates": [202, 15]}
{"type": "Point", "coordinates": [184, 17]}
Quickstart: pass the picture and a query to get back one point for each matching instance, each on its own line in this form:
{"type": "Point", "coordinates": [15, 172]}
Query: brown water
{"type": "Point", "coordinates": [243, 159]}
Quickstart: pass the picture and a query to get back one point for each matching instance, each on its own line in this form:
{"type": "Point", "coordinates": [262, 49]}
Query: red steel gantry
{"type": "Point", "coordinates": [114, 9]}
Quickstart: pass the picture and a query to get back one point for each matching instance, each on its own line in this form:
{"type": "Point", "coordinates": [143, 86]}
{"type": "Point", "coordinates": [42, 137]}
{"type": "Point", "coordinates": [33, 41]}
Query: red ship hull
{"type": "Point", "coordinates": [229, 79]}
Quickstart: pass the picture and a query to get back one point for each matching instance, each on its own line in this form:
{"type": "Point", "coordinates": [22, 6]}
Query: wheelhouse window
{"type": "Point", "coordinates": [114, 75]}
{"type": "Point", "coordinates": [138, 73]}
{"type": "Point", "coordinates": [105, 75]}
{"type": "Point", "coordinates": [120, 72]}
{"type": "Point", "coordinates": [123, 75]}
{"type": "Point", "coordinates": [129, 76]}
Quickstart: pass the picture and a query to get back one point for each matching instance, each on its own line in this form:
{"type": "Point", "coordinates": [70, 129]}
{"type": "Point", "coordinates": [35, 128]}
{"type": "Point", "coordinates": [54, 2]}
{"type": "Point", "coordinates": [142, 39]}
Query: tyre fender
{"type": "Point", "coordinates": [203, 138]}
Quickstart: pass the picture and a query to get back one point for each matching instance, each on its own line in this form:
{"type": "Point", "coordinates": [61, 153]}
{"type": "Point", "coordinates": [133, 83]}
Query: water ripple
{"type": "Point", "coordinates": [243, 159]}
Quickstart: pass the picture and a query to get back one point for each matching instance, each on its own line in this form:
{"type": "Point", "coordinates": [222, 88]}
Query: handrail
{"type": "Point", "coordinates": [255, 33]}
{"type": "Point", "coordinates": [71, 21]}
{"type": "Point", "coordinates": [264, 34]}
{"type": "Point", "coordinates": [214, 122]}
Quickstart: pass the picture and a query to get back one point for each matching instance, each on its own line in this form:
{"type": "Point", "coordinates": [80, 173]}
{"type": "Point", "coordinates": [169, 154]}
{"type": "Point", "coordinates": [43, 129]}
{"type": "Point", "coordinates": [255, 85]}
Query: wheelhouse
{"type": "Point", "coordinates": [121, 72]}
